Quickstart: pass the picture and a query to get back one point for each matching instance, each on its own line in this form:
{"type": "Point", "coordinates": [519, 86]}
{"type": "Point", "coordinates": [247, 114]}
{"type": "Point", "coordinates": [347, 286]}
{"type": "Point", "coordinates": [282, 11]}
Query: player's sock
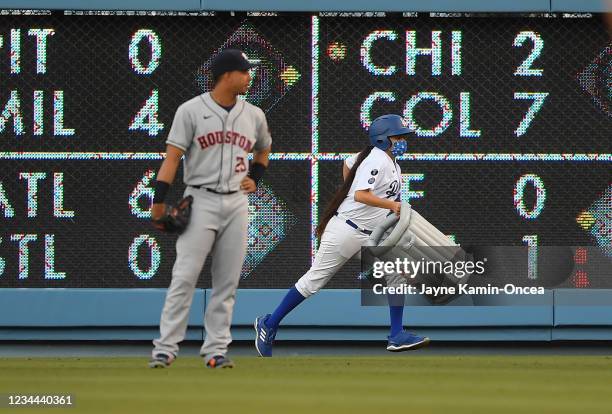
{"type": "Point", "coordinates": [396, 313]}
{"type": "Point", "coordinates": [290, 301]}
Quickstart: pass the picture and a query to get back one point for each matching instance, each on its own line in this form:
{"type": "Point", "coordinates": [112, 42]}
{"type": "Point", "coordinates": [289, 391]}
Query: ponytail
{"type": "Point", "coordinates": [341, 193]}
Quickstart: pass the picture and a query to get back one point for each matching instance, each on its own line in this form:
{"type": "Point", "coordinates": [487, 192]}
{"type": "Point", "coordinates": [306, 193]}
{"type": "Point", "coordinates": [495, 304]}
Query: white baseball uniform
{"type": "Point", "coordinates": [378, 173]}
{"type": "Point", "coordinates": [216, 144]}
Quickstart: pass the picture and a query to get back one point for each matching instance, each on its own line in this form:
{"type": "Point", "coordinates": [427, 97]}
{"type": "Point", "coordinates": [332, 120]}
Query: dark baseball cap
{"type": "Point", "coordinates": [229, 60]}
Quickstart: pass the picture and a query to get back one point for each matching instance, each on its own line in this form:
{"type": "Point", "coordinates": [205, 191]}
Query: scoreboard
{"type": "Point", "coordinates": [512, 121]}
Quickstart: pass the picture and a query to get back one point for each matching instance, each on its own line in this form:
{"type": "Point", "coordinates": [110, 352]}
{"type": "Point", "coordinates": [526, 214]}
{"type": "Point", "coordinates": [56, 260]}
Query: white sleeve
{"type": "Point", "coordinates": [350, 161]}
{"type": "Point", "coordinates": [367, 175]}
{"type": "Point", "coordinates": [181, 132]}
{"type": "Point", "coordinates": [264, 139]}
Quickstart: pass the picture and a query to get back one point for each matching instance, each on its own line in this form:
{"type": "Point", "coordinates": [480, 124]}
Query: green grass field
{"type": "Point", "coordinates": [403, 383]}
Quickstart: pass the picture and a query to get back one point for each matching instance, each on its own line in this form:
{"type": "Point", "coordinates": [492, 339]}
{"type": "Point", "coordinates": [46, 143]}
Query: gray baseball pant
{"type": "Point", "coordinates": [218, 225]}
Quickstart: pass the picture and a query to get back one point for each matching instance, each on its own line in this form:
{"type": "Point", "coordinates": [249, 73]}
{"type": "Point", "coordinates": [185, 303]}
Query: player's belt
{"type": "Point", "coordinates": [211, 190]}
{"type": "Point", "coordinates": [353, 225]}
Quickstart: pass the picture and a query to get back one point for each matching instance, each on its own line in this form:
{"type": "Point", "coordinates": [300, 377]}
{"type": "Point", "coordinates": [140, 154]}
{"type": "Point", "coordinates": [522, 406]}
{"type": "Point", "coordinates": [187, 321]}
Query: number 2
{"type": "Point", "coordinates": [538, 44]}
{"type": "Point", "coordinates": [241, 165]}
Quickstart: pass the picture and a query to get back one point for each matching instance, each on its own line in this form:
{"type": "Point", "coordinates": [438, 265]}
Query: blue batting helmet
{"type": "Point", "coordinates": [384, 127]}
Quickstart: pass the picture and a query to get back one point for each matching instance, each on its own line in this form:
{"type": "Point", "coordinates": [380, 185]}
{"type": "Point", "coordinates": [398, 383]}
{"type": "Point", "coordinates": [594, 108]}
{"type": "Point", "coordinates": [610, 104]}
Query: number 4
{"type": "Point", "coordinates": [147, 117]}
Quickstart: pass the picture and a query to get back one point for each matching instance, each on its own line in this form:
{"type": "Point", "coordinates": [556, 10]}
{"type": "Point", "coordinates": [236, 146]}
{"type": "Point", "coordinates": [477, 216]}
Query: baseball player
{"type": "Point", "coordinates": [215, 132]}
{"type": "Point", "coordinates": [372, 182]}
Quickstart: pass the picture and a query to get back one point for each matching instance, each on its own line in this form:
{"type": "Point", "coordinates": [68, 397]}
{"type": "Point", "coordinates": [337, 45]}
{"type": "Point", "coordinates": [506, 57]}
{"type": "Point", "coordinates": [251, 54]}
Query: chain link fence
{"type": "Point", "coordinates": [500, 103]}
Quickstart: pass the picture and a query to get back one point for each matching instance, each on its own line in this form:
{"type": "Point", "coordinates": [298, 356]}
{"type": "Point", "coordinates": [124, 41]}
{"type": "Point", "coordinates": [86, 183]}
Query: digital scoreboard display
{"type": "Point", "coordinates": [512, 121]}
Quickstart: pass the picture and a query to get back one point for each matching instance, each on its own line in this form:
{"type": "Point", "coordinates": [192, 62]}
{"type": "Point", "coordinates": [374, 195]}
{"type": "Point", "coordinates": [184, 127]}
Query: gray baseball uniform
{"type": "Point", "coordinates": [216, 145]}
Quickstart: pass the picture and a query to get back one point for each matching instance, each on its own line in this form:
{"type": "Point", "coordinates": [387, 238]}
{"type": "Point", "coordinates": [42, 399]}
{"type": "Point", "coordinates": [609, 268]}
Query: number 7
{"type": "Point", "coordinates": [538, 101]}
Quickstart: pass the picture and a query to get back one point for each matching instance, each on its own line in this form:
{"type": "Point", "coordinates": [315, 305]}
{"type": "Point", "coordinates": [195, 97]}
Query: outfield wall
{"type": "Point", "coordinates": [133, 314]}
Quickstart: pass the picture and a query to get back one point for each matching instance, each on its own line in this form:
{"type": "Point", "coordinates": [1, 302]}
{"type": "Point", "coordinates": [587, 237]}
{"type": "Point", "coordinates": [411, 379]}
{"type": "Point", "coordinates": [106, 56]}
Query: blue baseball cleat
{"type": "Point", "coordinates": [405, 341]}
{"type": "Point", "coordinates": [264, 336]}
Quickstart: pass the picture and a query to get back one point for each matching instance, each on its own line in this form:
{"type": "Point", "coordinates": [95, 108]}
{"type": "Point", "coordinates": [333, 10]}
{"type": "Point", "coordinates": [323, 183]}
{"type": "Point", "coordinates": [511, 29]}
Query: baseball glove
{"type": "Point", "coordinates": [176, 218]}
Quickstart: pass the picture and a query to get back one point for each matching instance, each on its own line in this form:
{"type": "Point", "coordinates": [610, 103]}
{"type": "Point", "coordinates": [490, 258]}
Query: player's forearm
{"type": "Point", "coordinates": [165, 178]}
{"type": "Point", "coordinates": [258, 166]}
{"type": "Point", "coordinates": [167, 171]}
{"type": "Point", "coordinates": [262, 156]}
{"type": "Point", "coordinates": [366, 197]}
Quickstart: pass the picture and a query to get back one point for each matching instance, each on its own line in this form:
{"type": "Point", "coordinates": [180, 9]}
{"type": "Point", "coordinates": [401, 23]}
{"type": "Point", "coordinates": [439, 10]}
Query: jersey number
{"type": "Point", "coordinates": [241, 165]}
